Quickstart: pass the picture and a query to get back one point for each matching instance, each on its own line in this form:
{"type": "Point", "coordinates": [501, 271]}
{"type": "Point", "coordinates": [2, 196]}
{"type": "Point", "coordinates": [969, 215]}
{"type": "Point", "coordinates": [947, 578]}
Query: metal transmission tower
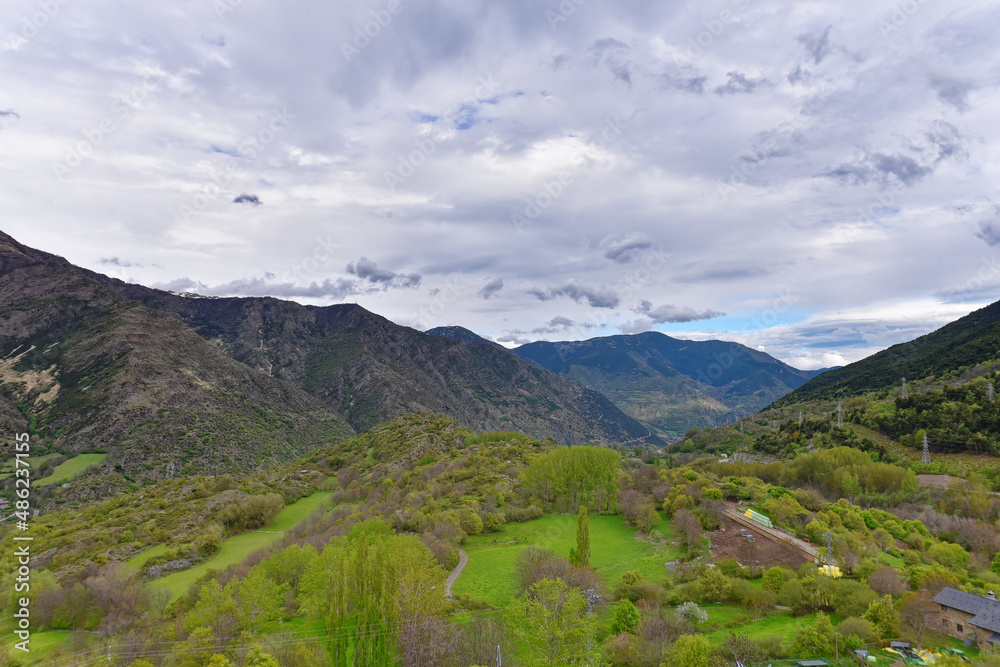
{"type": "Point", "coordinates": [989, 391]}
{"type": "Point", "coordinates": [840, 415]}
{"type": "Point", "coordinates": [925, 458]}
{"type": "Point", "coordinates": [800, 418]}
{"type": "Point", "coordinates": [904, 394]}
{"type": "Point", "coordinates": [829, 541]}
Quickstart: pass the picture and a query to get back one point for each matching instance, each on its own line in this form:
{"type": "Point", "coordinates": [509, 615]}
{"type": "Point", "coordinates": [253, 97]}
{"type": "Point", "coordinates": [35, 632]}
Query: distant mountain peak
{"type": "Point", "coordinates": [455, 332]}
{"type": "Point", "coordinates": [668, 383]}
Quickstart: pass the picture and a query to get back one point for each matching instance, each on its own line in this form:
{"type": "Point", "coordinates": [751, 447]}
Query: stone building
{"type": "Point", "coordinates": [968, 617]}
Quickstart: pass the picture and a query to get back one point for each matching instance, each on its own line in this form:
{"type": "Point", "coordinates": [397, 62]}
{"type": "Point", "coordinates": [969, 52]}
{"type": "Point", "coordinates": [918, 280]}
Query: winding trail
{"type": "Point", "coordinates": [463, 558]}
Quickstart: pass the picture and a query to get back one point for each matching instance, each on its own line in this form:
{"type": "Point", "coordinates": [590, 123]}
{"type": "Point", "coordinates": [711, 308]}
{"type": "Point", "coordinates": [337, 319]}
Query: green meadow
{"type": "Point", "coordinates": [234, 549]}
{"type": "Point", "coordinates": [614, 549]}
{"type": "Point", "coordinates": [70, 468]}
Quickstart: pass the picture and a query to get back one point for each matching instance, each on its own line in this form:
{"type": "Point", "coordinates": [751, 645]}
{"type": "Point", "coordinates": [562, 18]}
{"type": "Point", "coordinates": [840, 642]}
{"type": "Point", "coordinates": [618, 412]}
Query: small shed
{"type": "Point", "coordinates": [811, 663]}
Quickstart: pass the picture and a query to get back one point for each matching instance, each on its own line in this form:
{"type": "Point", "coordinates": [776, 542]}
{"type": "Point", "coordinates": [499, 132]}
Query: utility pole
{"type": "Point", "coordinates": [925, 458]}
{"type": "Point", "coordinates": [499, 657]}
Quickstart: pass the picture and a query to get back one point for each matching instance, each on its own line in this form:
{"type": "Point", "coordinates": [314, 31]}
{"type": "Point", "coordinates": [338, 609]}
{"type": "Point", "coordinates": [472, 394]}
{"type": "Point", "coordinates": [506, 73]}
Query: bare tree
{"type": "Point", "coordinates": [426, 641]}
{"type": "Point", "coordinates": [886, 581]}
{"type": "Point", "coordinates": [688, 529]}
{"type": "Point", "coordinates": [478, 642]}
{"type": "Point", "coordinates": [915, 612]}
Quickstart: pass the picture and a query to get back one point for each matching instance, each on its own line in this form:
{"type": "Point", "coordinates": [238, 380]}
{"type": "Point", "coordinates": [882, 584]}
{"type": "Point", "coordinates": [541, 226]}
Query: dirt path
{"type": "Point", "coordinates": [463, 558]}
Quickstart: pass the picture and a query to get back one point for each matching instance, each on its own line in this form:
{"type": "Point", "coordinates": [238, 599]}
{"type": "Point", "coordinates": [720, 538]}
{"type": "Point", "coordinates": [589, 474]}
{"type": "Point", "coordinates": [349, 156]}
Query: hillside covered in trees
{"type": "Point", "coordinates": [568, 555]}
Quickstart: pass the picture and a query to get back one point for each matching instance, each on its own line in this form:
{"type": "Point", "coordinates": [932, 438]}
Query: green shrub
{"type": "Point", "coordinates": [250, 513]}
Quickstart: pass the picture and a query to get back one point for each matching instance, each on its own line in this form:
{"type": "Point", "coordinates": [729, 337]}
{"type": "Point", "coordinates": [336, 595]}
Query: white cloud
{"type": "Point", "coordinates": [643, 184]}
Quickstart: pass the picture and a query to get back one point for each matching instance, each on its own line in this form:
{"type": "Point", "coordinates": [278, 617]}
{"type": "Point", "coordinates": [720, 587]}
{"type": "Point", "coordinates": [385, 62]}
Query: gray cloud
{"type": "Point", "coordinates": [722, 273]}
{"type": "Point", "coordinates": [818, 45]}
{"type": "Point", "coordinates": [626, 249]}
{"type": "Point", "coordinates": [674, 314]}
{"type": "Point", "coordinates": [797, 75]}
{"type": "Point", "coordinates": [948, 141]}
{"type": "Point", "coordinates": [595, 298]}
{"type": "Point", "coordinates": [368, 270]}
{"type": "Point", "coordinates": [474, 154]}
{"type": "Point", "coordinates": [115, 261]}
{"type": "Point", "coordinates": [557, 325]}
{"type": "Point", "coordinates": [612, 53]}
{"type": "Point", "coordinates": [942, 141]}
{"type": "Point", "coordinates": [739, 84]}
{"type": "Point", "coordinates": [989, 228]}
{"type": "Point", "coordinates": [8, 118]}
{"type": "Point", "coordinates": [248, 200]}
{"type": "Point", "coordinates": [338, 288]}
{"type": "Point", "coordinates": [953, 92]}
{"type": "Point", "coordinates": [684, 78]}
{"type": "Point", "coordinates": [491, 288]}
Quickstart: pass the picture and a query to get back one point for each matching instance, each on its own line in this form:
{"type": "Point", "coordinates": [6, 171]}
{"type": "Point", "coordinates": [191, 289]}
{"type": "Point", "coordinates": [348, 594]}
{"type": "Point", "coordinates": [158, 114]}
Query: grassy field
{"type": "Point", "coordinates": [724, 615]}
{"type": "Point", "coordinates": [136, 562]}
{"type": "Point", "coordinates": [41, 643]}
{"type": "Point", "coordinates": [70, 468]}
{"type": "Point", "coordinates": [784, 625]}
{"type": "Point", "coordinates": [489, 576]}
{"type": "Point", "coordinates": [891, 560]}
{"type": "Point", "coordinates": [235, 549]}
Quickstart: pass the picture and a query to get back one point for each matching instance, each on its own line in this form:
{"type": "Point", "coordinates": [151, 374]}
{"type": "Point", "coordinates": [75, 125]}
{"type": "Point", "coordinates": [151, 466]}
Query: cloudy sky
{"type": "Point", "coordinates": [816, 179]}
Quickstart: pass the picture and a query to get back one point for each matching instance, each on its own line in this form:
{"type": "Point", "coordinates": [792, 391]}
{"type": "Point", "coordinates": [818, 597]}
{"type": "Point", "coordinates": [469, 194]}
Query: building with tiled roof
{"type": "Point", "coordinates": [974, 618]}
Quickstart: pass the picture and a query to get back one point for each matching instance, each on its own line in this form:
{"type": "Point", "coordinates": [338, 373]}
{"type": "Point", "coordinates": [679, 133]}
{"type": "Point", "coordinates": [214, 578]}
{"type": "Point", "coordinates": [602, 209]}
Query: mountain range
{"type": "Point", "coordinates": [668, 384]}
{"type": "Point", "coordinates": [91, 363]}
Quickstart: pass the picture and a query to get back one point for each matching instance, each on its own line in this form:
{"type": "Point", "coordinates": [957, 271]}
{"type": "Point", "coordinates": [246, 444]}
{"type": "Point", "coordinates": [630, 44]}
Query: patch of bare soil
{"type": "Point", "coordinates": [764, 550]}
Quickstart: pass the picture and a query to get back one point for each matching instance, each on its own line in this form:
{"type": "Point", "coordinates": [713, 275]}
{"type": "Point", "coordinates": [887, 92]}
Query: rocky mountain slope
{"type": "Point", "coordinates": [371, 370]}
{"type": "Point", "coordinates": [89, 370]}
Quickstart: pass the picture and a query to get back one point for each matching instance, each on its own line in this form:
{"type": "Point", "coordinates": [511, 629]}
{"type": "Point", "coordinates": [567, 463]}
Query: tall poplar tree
{"type": "Point", "coordinates": [580, 556]}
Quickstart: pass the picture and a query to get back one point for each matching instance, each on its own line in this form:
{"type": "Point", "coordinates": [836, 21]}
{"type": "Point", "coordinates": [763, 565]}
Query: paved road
{"type": "Point", "coordinates": [463, 558]}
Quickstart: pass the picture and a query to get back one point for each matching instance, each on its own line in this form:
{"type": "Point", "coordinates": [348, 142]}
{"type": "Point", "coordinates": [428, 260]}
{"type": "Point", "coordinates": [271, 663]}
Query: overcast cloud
{"type": "Point", "coordinates": [817, 179]}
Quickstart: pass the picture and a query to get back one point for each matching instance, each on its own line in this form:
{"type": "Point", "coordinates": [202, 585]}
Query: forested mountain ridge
{"type": "Point", "coordinates": [968, 341]}
{"type": "Point", "coordinates": [370, 369]}
{"type": "Point", "coordinates": [670, 384]}
{"type": "Point", "coordinates": [89, 370]}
